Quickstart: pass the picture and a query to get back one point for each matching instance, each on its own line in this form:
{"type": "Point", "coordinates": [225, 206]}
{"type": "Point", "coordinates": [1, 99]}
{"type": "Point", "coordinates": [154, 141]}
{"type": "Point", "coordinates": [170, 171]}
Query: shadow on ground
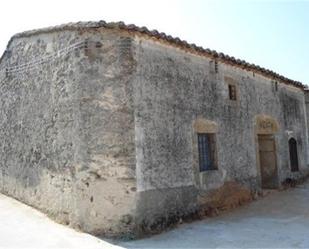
{"type": "Point", "coordinates": [280, 220]}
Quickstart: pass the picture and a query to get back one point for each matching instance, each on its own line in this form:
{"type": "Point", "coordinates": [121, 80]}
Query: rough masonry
{"type": "Point", "coordinates": [100, 127]}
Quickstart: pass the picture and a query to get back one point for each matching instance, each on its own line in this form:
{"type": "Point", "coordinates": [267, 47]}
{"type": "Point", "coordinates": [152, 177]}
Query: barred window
{"type": "Point", "coordinates": [207, 151]}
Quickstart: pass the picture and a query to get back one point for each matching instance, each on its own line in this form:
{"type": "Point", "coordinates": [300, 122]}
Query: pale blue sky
{"type": "Point", "coordinates": [272, 34]}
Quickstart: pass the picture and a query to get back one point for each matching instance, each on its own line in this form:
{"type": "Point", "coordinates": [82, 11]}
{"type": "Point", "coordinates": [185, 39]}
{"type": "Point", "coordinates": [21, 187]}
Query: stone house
{"type": "Point", "coordinates": [115, 129]}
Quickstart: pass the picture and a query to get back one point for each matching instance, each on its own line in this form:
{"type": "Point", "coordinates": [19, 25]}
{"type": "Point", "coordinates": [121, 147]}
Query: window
{"type": "Point", "coordinates": [232, 92]}
{"type": "Point", "coordinates": [207, 151]}
{"type": "Point", "coordinates": [293, 154]}
{"type": "Point", "coordinates": [276, 86]}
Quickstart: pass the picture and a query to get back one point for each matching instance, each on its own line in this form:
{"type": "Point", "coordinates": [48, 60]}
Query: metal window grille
{"type": "Point", "coordinates": [206, 150]}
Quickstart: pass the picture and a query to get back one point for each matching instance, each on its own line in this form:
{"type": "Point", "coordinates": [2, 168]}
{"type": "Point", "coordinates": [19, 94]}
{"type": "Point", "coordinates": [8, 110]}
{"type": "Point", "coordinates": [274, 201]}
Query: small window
{"type": "Point", "coordinates": [207, 151]}
{"type": "Point", "coordinates": [293, 154]}
{"type": "Point", "coordinates": [276, 86]}
{"type": "Point", "coordinates": [232, 92]}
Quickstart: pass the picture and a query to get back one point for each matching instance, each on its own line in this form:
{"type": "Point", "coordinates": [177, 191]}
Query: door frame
{"type": "Point", "coordinates": [265, 125]}
{"type": "Point", "coordinates": [276, 180]}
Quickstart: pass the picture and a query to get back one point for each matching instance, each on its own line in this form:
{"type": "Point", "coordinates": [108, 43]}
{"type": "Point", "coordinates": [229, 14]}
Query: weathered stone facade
{"type": "Point", "coordinates": [99, 127]}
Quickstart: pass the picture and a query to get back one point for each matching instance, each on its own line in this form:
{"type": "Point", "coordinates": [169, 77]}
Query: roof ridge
{"type": "Point", "coordinates": [164, 37]}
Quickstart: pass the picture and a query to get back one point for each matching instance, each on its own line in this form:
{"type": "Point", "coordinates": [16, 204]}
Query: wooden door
{"type": "Point", "coordinates": [268, 161]}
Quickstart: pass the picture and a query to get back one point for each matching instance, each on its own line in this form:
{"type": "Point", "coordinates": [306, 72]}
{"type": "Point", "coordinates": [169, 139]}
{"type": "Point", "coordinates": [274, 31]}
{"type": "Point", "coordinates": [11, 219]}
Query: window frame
{"type": "Point", "coordinates": [211, 153]}
{"type": "Point", "coordinates": [294, 162]}
{"type": "Point", "coordinates": [232, 88]}
{"type": "Point", "coordinates": [230, 82]}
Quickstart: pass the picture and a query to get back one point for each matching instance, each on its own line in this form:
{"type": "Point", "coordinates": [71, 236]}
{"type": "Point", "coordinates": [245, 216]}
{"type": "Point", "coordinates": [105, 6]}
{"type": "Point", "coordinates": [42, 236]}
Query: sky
{"type": "Point", "coordinates": [272, 34]}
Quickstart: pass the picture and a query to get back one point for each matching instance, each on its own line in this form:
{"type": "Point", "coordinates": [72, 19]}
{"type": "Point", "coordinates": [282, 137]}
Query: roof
{"type": "Point", "coordinates": [177, 42]}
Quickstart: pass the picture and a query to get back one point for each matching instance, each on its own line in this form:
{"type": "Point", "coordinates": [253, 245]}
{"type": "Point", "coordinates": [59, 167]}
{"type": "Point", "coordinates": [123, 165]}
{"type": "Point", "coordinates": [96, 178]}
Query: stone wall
{"type": "Point", "coordinates": [67, 127]}
{"type": "Point", "coordinates": [307, 115]}
{"type": "Point", "coordinates": [38, 127]}
{"type": "Point", "coordinates": [106, 184]}
{"type": "Point", "coordinates": [174, 89]}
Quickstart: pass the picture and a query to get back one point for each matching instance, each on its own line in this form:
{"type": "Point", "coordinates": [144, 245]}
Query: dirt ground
{"type": "Point", "coordinates": [279, 220]}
